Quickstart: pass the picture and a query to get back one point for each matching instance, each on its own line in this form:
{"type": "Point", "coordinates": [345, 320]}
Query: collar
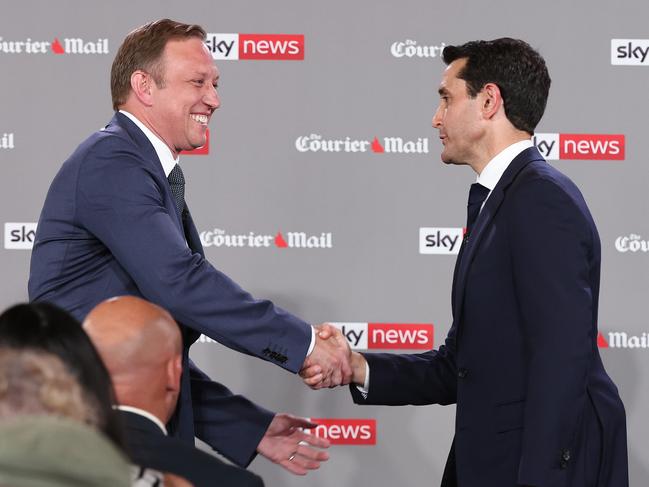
{"type": "Point", "coordinates": [164, 153]}
{"type": "Point", "coordinates": [146, 414]}
{"type": "Point", "coordinates": [494, 170]}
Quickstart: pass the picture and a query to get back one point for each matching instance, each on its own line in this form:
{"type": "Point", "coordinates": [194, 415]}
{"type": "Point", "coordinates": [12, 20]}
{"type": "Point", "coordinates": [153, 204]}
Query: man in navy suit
{"type": "Point", "coordinates": [535, 406]}
{"type": "Point", "coordinates": [115, 222]}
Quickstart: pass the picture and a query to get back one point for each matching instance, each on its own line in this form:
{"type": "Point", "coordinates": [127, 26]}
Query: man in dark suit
{"type": "Point", "coordinates": [535, 406]}
{"type": "Point", "coordinates": [141, 346]}
{"type": "Point", "coordinates": [115, 222]}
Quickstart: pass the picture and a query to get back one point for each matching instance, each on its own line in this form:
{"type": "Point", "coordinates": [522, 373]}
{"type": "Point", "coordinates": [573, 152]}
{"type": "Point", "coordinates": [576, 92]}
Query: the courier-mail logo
{"type": "Point", "coordinates": [256, 46]}
{"type": "Point", "coordinates": [436, 240]}
{"type": "Point", "coordinates": [580, 146]}
{"type": "Point", "coordinates": [345, 431]}
{"type": "Point", "coordinates": [19, 235]}
{"type": "Point", "coordinates": [630, 52]}
{"type": "Point", "coordinates": [387, 336]}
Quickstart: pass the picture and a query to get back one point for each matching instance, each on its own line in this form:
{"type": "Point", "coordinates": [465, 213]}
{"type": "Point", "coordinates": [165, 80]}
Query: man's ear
{"type": "Point", "coordinates": [142, 87]}
{"type": "Point", "coordinates": [492, 101]}
{"type": "Point", "coordinates": [174, 371]}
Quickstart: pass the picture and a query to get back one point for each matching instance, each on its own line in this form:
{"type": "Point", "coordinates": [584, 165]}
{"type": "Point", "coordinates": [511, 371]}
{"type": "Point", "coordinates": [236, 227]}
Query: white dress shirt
{"type": "Point", "coordinates": [161, 149]}
{"type": "Point", "coordinates": [146, 414]}
{"type": "Point", "coordinates": [494, 170]}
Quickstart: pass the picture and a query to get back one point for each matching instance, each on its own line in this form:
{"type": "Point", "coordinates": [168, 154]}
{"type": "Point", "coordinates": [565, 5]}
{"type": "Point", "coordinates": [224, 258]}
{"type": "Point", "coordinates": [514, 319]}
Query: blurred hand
{"type": "Point", "coordinates": [329, 365]}
{"type": "Point", "coordinates": [287, 445]}
{"type": "Point", "coordinates": [171, 480]}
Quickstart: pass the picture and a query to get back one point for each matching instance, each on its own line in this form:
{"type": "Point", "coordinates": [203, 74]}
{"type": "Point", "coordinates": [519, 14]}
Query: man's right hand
{"type": "Point", "coordinates": [329, 364]}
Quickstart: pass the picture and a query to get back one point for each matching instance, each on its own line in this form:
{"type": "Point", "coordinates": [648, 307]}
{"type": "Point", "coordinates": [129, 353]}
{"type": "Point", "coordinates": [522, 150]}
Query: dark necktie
{"type": "Point", "coordinates": [177, 184]}
{"type": "Point", "coordinates": [477, 195]}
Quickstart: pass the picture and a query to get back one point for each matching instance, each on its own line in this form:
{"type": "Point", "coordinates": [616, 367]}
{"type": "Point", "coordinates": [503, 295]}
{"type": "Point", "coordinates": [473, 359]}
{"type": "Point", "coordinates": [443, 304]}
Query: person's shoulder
{"type": "Point", "coordinates": [540, 178]}
{"type": "Point", "coordinates": [175, 456]}
{"type": "Point", "coordinates": [544, 191]}
{"type": "Point", "coordinates": [110, 142]}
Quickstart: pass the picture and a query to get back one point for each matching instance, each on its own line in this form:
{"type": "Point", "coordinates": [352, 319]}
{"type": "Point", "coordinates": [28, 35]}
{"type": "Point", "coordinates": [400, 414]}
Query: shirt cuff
{"type": "Point", "coordinates": [366, 385]}
{"type": "Point", "coordinates": [312, 345]}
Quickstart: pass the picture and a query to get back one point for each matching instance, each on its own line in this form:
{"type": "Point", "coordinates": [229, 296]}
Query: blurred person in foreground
{"type": "Point", "coordinates": [48, 366]}
{"type": "Point", "coordinates": [48, 427]}
{"type": "Point", "coordinates": [42, 327]}
{"type": "Point", "coordinates": [116, 222]}
{"type": "Point", "coordinates": [535, 406]}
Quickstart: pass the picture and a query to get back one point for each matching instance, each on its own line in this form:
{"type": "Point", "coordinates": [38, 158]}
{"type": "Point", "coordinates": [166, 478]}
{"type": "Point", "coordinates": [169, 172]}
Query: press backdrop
{"type": "Point", "coordinates": [363, 235]}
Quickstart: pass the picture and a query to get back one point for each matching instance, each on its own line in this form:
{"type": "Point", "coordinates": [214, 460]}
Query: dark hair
{"type": "Point", "coordinates": [143, 49]}
{"type": "Point", "coordinates": [518, 70]}
{"type": "Point", "coordinates": [44, 327]}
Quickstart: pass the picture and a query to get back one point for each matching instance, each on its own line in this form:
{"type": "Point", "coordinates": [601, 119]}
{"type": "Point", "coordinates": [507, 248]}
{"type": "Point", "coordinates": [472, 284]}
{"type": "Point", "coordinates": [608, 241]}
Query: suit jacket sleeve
{"type": "Point", "coordinates": [120, 200]}
{"type": "Point", "coordinates": [423, 378]}
{"type": "Point", "coordinates": [231, 424]}
{"type": "Point", "coordinates": [552, 241]}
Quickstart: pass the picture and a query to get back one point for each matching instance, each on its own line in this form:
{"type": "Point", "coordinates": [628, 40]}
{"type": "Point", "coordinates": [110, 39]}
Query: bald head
{"type": "Point", "coordinates": [140, 344]}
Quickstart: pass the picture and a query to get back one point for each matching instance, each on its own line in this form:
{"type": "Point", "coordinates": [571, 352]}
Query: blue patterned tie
{"type": "Point", "coordinates": [177, 184]}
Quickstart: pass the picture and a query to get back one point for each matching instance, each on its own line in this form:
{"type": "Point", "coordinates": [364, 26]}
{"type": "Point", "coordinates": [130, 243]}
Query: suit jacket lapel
{"type": "Point", "coordinates": [468, 249]}
{"type": "Point", "coordinates": [151, 157]}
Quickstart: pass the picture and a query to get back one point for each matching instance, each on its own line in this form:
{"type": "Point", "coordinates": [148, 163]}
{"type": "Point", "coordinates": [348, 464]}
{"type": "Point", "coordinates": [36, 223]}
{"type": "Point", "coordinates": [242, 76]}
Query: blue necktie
{"type": "Point", "coordinates": [477, 195]}
{"type": "Point", "coordinates": [177, 185]}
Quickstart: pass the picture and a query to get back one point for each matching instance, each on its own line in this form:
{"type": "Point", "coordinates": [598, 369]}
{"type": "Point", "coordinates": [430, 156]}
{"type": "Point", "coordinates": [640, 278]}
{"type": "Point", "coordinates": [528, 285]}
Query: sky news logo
{"type": "Point", "coordinates": [65, 45]}
{"type": "Point", "coordinates": [285, 47]}
{"type": "Point", "coordinates": [385, 145]}
{"type": "Point", "coordinates": [621, 339]}
{"type": "Point", "coordinates": [440, 241]}
{"type": "Point", "coordinates": [200, 151]}
{"type": "Point", "coordinates": [387, 336]}
{"type": "Point", "coordinates": [580, 146]}
{"type": "Point", "coordinates": [632, 243]}
{"type": "Point", "coordinates": [7, 141]}
{"type": "Point", "coordinates": [345, 431]}
{"type": "Point", "coordinates": [412, 49]}
{"type": "Point", "coordinates": [19, 236]}
{"type": "Point", "coordinates": [630, 52]}
{"type": "Point", "coordinates": [293, 240]}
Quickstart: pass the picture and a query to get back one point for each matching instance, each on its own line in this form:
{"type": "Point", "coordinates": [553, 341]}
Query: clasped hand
{"type": "Point", "coordinates": [330, 362]}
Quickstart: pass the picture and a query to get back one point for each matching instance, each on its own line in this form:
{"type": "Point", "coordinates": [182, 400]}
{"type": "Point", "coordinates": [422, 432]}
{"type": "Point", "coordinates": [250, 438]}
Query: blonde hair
{"type": "Point", "coordinates": [37, 383]}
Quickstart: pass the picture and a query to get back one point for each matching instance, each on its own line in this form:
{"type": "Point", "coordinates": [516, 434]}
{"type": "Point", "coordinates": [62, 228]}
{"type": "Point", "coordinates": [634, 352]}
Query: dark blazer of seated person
{"type": "Point", "coordinates": [149, 446]}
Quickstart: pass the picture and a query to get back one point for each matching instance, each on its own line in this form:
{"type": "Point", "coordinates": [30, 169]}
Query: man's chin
{"type": "Point", "coordinates": [197, 143]}
{"type": "Point", "coordinates": [448, 160]}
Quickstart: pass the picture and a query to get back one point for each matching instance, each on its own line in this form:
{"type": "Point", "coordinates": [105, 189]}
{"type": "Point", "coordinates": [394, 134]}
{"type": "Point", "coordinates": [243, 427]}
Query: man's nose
{"type": "Point", "coordinates": [212, 98]}
{"type": "Point", "coordinates": [437, 118]}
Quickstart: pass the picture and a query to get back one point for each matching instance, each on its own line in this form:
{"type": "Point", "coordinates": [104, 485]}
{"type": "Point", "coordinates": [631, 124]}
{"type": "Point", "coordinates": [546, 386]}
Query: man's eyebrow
{"type": "Point", "coordinates": [206, 74]}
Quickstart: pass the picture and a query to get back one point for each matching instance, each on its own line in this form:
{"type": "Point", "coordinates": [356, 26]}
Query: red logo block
{"type": "Point", "coordinates": [346, 431]}
{"type": "Point", "coordinates": [202, 150]}
{"type": "Point", "coordinates": [400, 335]}
{"type": "Point", "coordinates": [601, 341]}
{"type": "Point", "coordinates": [591, 147]}
{"type": "Point", "coordinates": [57, 48]}
{"type": "Point", "coordinates": [271, 46]}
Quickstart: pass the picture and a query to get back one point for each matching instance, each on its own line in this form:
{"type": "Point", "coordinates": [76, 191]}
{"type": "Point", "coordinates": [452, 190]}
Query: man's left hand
{"type": "Point", "coordinates": [287, 445]}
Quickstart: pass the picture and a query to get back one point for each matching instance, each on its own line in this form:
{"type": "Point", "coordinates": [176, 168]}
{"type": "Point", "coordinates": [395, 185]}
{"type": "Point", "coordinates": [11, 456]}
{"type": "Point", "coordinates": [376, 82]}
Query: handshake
{"type": "Point", "coordinates": [332, 362]}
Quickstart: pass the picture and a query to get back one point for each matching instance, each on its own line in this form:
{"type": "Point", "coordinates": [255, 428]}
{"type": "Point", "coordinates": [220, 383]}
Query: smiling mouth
{"type": "Point", "coordinates": [199, 118]}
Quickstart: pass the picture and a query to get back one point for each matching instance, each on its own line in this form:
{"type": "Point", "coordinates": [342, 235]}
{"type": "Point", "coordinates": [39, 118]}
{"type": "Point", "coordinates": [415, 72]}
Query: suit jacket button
{"type": "Point", "coordinates": [565, 455]}
{"type": "Point", "coordinates": [462, 373]}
